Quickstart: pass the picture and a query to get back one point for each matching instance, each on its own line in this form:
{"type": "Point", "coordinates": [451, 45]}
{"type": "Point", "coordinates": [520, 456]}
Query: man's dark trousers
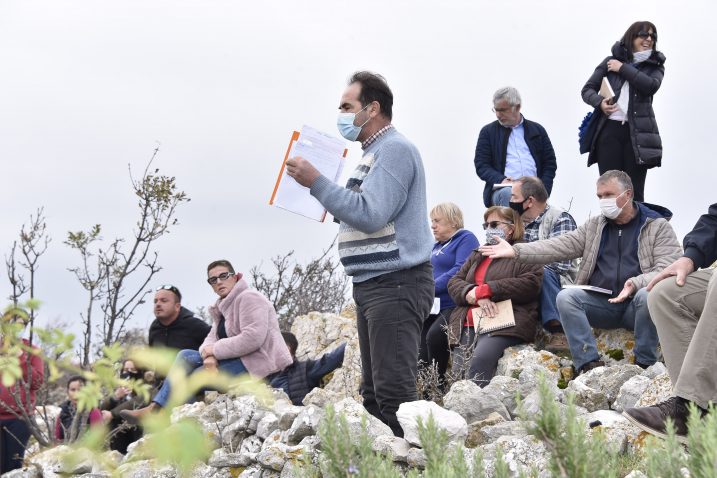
{"type": "Point", "coordinates": [390, 310]}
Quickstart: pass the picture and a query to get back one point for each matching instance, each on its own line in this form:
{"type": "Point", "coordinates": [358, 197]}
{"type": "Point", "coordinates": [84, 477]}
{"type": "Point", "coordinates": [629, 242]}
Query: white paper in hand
{"type": "Point", "coordinates": [325, 153]}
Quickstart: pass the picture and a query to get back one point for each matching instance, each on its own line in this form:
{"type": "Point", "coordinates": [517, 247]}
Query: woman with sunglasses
{"type": "Point", "coordinates": [453, 246]}
{"type": "Point", "coordinates": [626, 137]}
{"type": "Point", "coordinates": [478, 286]}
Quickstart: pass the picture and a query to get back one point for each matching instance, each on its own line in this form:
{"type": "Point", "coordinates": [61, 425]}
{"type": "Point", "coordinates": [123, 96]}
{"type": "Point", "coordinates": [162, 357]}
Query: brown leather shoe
{"type": "Point", "coordinates": [654, 419]}
{"type": "Point", "coordinates": [558, 343]}
{"type": "Point", "coordinates": [134, 416]}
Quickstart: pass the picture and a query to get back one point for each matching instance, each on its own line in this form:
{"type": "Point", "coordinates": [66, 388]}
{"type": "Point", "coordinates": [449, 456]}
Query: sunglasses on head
{"type": "Point", "coordinates": [494, 224]}
{"type": "Point", "coordinates": [170, 288]}
{"type": "Point", "coordinates": [643, 34]}
{"type": "Point", "coordinates": [223, 276]}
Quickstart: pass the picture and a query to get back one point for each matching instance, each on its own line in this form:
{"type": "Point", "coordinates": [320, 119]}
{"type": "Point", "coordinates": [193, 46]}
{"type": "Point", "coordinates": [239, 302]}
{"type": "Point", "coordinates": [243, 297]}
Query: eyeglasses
{"type": "Point", "coordinates": [501, 110]}
{"type": "Point", "coordinates": [223, 276]}
{"type": "Point", "coordinates": [494, 224]}
{"type": "Point", "coordinates": [647, 35]}
{"type": "Point", "coordinates": [170, 288]}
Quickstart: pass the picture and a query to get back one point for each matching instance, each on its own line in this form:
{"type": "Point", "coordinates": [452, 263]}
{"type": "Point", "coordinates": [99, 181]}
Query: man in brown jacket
{"type": "Point", "coordinates": [622, 250]}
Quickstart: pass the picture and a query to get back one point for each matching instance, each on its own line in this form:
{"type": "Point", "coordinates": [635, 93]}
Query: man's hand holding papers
{"type": "Point", "coordinates": [302, 171]}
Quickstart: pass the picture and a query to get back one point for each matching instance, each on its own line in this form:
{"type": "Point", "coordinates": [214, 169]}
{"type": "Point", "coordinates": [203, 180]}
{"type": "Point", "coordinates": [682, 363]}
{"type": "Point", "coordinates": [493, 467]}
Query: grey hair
{"type": "Point", "coordinates": [621, 177]}
{"type": "Point", "coordinates": [508, 93]}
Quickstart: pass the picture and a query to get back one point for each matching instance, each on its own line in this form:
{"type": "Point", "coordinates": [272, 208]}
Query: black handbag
{"type": "Point", "coordinates": [586, 131]}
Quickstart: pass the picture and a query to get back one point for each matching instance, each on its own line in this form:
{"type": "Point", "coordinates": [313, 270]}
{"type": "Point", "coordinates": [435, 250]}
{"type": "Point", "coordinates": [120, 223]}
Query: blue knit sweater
{"type": "Point", "coordinates": [384, 225]}
{"type": "Point", "coordinates": [447, 259]}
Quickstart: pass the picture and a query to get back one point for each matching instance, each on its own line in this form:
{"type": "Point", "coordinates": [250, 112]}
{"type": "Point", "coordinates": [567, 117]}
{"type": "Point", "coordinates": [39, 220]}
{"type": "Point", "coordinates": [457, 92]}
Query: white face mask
{"type": "Point", "coordinates": [609, 208]}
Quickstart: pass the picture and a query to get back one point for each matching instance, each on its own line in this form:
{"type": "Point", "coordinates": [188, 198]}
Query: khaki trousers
{"type": "Point", "coordinates": [686, 322]}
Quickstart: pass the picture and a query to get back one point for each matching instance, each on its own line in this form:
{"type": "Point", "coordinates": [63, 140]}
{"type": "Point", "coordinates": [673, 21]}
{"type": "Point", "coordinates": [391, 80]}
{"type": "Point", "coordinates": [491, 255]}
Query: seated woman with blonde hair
{"type": "Point", "coordinates": [453, 246]}
{"type": "Point", "coordinates": [479, 285]}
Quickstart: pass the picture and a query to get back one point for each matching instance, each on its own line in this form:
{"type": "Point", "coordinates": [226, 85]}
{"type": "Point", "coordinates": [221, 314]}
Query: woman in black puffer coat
{"type": "Point", "coordinates": [627, 137]}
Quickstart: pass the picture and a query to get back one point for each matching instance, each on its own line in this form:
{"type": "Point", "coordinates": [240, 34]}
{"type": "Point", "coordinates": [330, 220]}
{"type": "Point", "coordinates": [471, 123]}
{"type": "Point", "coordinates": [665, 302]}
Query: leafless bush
{"type": "Point", "coordinates": [297, 289]}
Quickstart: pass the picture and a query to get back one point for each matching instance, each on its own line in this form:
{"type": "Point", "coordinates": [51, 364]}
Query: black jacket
{"type": "Point", "coordinates": [645, 79]}
{"type": "Point", "coordinates": [701, 243]}
{"type": "Point", "coordinates": [186, 332]}
{"type": "Point", "coordinates": [492, 149]}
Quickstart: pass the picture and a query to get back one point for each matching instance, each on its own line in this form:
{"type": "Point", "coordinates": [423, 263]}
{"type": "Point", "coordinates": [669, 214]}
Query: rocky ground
{"type": "Point", "coordinates": [259, 440]}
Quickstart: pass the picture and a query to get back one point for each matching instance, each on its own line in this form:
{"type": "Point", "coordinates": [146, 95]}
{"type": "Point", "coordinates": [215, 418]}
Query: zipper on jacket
{"type": "Point", "coordinates": [618, 288]}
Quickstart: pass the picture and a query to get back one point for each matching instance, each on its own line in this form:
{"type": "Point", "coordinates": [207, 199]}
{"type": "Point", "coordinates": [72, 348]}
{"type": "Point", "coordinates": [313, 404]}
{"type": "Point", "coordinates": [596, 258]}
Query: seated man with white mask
{"type": "Point", "coordinates": [622, 250]}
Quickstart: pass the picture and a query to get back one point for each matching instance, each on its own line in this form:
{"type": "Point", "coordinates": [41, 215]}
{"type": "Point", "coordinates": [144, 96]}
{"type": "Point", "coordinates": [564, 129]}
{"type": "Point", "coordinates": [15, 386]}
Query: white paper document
{"type": "Point", "coordinates": [501, 185]}
{"type": "Point", "coordinates": [436, 306]}
{"type": "Point", "coordinates": [591, 288]}
{"type": "Point", "coordinates": [326, 154]}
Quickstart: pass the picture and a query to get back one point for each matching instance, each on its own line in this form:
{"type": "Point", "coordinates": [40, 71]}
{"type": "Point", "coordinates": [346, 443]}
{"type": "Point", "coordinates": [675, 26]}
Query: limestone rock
{"type": "Point", "coordinates": [659, 390]}
{"type": "Point", "coordinates": [393, 447]}
{"type": "Point", "coordinates": [145, 469]}
{"type": "Point", "coordinates": [613, 341]}
{"type": "Point", "coordinates": [449, 421]}
{"type": "Point", "coordinates": [492, 433]}
{"type": "Point", "coordinates": [504, 388]}
{"type": "Point", "coordinates": [588, 397]}
{"type": "Point", "coordinates": [630, 392]}
{"type": "Point", "coordinates": [517, 358]}
{"type": "Point", "coordinates": [251, 472]}
{"type": "Point", "coordinates": [416, 458]}
{"type": "Point", "coordinates": [619, 433]}
{"type": "Point", "coordinates": [192, 410]}
{"type": "Point", "coordinates": [250, 447]}
{"type": "Point", "coordinates": [355, 413]}
{"type": "Point", "coordinates": [223, 459]}
{"type": "Point", "coordinates": [472, 403]}
{"type": "Point", "coordinates": [653, 371]}
{"type": "Point", "coordinates": [31, 471]}
{"type": "Point", "coordinates": [319, 333]}
{"type": "Point", "coordinates": [473, 439]}
{"type": "Point", "coordinates": [266, 425]}
{"type": "Point", "coordinates": [305, 424]}
{"type": "Point", "coordinates": [320, 397]}
{"type": "Point", "coordinates": [608, 380]}
{"type": "Point", "coordinates": [521, 454]}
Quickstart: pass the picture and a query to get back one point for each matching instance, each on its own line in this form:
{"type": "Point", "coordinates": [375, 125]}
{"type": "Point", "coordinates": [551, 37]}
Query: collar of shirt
{"type": "Point", "coordinates": [375, 136]}
{"type": "Point", "coordinates": [538, 219]}
{"type": "Point", "coordinates": [519, 124]}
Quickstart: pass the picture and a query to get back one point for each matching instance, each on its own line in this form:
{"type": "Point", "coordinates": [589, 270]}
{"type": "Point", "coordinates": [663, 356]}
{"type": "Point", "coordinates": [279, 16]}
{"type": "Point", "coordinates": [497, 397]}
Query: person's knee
{"type": "Point", "coordinates": [640, 298]}
{"type": "Point", "coordinates": [566, 300]}
{"type": "Point", "coordinates": [665, 289]}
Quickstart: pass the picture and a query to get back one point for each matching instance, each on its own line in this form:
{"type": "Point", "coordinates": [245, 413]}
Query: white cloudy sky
{"type": "Point", "coordinates": [88, 87]}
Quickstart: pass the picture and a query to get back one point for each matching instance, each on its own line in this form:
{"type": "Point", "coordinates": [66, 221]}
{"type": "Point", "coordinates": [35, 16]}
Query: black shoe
{"type": "Point", "coordinates": [591, 365]}
{"type": "Point", "coordinates": [654, 419]}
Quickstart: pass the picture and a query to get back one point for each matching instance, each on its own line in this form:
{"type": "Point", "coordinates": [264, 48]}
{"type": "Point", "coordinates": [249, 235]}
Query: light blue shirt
{"type": "Point", "coordinates": [519, 162]}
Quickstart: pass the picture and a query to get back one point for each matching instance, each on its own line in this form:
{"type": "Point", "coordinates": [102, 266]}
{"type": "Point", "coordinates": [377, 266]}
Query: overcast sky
{"type": "Point", "coordinates": [88, 87]}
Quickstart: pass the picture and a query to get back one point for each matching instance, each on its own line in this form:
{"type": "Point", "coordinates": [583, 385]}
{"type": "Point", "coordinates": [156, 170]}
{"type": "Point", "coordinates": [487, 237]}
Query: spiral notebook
{"type": "Point", "coordinates": [502, 320]}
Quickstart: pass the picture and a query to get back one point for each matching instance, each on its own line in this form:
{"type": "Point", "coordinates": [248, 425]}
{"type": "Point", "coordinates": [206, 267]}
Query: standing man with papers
{"type": "Point", "coordinates": [384, 242]}
{"type": "Point", "coordinates": [622, 249]}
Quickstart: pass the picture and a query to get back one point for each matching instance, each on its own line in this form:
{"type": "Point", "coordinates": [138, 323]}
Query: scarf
{"type": "Point", "coordinates": [624, 98]}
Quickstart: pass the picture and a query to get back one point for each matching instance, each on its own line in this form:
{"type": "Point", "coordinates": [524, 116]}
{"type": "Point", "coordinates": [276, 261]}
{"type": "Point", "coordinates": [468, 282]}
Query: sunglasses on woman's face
{"type": "Point", "coordinates": [223, 276]}
{"type": "Point", "coordinates": [494, 224]}
{"type": "Point", "coordinates": [647, 34]}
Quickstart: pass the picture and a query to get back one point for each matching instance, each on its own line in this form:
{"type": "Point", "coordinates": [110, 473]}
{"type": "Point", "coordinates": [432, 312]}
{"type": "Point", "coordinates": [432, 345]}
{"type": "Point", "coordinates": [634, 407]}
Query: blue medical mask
{"type": "Point", "coordinates": [346, 126]}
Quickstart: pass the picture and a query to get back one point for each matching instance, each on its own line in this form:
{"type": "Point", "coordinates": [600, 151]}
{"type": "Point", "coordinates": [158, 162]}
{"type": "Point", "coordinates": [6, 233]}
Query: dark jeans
{"type": "Point", "coordinates": [14, 434]}
{"type": "Point", "coordinates": [434, 342]}
{"type": "Point", "coordinates": [485, 351]}
{"type": "Point", "coordinates": [390, 310]}
{"type": "Point", "coordinates": [613, 149]}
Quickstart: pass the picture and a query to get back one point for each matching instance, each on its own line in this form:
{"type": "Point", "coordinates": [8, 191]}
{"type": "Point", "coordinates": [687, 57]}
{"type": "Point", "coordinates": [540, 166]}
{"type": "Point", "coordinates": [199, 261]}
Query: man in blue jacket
{"type": "Point", "coordinates": [685, 313]}
{"type": "Point", "coordinates": [511, 147]}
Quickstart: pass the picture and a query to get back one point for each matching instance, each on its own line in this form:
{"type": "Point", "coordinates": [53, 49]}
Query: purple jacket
{"type": "Point", "coordinates": [252, 329]}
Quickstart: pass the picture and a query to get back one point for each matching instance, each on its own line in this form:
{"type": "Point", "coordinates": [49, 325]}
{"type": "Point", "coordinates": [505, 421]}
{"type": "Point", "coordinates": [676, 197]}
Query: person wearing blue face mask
{"type": "Point", "coordinates": [621, 250]}
{"type": "Point", "coordinates": [384, 242]}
